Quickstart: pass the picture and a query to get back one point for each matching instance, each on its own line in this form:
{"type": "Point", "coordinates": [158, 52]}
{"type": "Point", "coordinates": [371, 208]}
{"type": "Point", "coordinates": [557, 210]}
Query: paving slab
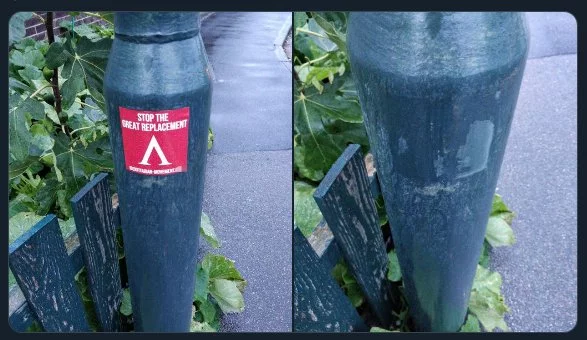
{"type": "Point", "coordinates": [538, 181]}
{"type": "Point", "coordinates": [248, 190]}
{"type": "Point", "coordinates": [252, 85]}
{"type": "Point", "coordinates": [552, 33]}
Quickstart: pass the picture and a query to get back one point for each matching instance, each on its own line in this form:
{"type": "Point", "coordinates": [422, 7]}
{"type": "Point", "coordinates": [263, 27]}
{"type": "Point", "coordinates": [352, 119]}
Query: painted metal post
{"type": "Point", "coordinates": [158, 92]}
{"type": "Point", "coordinates": [438, 93]}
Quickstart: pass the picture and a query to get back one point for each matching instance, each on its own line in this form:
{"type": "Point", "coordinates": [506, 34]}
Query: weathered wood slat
{"type": "Point", "coordinates": [345, 200]}
{"type": "Point", "coordinates": [319, 303]}
{"type": "Point", "coordinates": [92, 211]}
{"type": "Point", "coordinates": [20, 314]}
{"type": "Point", "coordinates": [39, 261]}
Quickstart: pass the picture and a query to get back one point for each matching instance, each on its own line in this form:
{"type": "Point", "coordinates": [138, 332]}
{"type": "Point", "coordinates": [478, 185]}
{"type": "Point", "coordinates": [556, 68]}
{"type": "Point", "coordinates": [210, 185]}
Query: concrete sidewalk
{"type": "Point", "coordinates": [248, 193]}
{"type": "Point", "coordinates": [538, 181]}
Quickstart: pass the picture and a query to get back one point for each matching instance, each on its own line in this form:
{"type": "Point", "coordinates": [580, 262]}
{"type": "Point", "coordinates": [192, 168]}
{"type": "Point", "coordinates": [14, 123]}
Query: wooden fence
{"type": "Point", "coordinates": [44, 265]}
{"type": "Point", "coordinates": [350, 230]}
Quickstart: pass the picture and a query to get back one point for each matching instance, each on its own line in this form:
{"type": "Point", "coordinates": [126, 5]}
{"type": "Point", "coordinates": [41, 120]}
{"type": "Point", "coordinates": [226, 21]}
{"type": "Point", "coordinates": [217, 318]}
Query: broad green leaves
{"type": "Point", "coordinates": [486, 301]}
{"type": "Point", "coordinates": [327, 114]}
{"type": "Point", "coordinates": [307, 215]}
{"type": "Point", "coordinates": [126, 304]}
{"type": "Point", "coordinates": [471, 325]}
{"type": "Point", "coordinates": [348, 283]}
{"type": "Point", "coordinates": [208, 232]}
{"type": "Point", "coordinates": [499, 233]}
{"type": "Point", "coordinates": [16, 29]}
{"type": "Point", "coordinates": [394, 273]}
{"type": "Point", "coordinates": [217, 276]}
{"type": "Point", "coordinates": [84, 62]}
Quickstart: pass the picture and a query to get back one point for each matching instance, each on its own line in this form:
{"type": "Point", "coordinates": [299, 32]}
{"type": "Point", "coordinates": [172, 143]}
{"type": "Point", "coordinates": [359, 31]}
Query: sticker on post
{"type": "Point", "coordinates": [155, 143]}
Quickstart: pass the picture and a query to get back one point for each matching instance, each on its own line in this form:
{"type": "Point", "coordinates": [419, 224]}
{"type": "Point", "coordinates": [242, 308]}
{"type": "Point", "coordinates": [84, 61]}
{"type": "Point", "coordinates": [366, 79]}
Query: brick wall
{"type": "Point", "coordinates": [35, 28]}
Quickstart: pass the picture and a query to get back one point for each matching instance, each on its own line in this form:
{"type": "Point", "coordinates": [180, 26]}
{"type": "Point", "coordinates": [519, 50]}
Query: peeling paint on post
{"type": "Point", "coordinates": [158, 90]}
{"type": "Point", "coordinates": [438, 92]}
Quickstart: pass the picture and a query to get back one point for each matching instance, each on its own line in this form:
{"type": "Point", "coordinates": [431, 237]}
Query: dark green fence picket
{"type": "Point", "coordinates": [345, 200]}
{"type": "Point", "coordinates": [39, 261]}
{"type": "Point", "coordinates": [92, 210]}
{"type": "Point", "coordinates": [319, 303]}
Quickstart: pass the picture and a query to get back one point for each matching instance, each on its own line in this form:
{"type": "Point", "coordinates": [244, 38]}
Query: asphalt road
{"type": "Point", "coordinates": [248, 177]}
{"type": "Point", "coordinates": [538, 181]}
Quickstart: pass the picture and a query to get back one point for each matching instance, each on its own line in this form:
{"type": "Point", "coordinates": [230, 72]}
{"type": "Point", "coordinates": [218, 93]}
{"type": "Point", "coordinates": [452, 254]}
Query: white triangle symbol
{"type": "Point", "coordinates": [153, 144]}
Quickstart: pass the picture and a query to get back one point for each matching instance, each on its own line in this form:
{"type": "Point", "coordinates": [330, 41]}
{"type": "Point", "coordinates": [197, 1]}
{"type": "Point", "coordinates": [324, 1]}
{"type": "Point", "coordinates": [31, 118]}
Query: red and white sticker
{"type": "Point", "coordinates": [155, 143]}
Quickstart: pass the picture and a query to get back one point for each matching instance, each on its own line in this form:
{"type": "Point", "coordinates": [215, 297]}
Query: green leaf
{"type": "Point", "coordinates": [499, 233]}
{"type": "Point", "coordinates": [77, 163]}
{"type": "Point", "coordinates": [27, 58]}
{"type": "Point", "coordinates": [348, 283]}
{"type": "Point", "coordinates": [20, 224]}
{"type": "Point", "coordinates": [207, 230]}
{"type": "Point", "coordinates": [210, 138]}
{"type": "Point", "coordinates": [332, 103]}
{"type": "Point", "coordinates": [484, 258]}
{"type": "Point", "coordinates": [486, 301]}
{"type": "Point", "coordinates": [320, 37]}
{"type": "Point", "coordinates": [300, 19]}
{"type": "Point", "coordinates": [219, 267]}
{"type": "Point", "coordinates": [393, 273]}
{"type": "Point", "coordinates": [316, 147]}
{"type": "Point", "coordinates": [201, 327]}
{"type": "Point", "coordinates": [41, 141]}
{"type": "Point", "coordinates": [126, 304]}
{"type": "Point", "coordinates": [208, 310]}
{"type": "Point", "coordinates": [29, 73]}
{"type": "Point", "coordinates": [56, 55]}
{"type": "Point", "coordinates": [202, 280]}
{"type": "Point", "coordinates": [333, 29]}
{"type": "Point", "coordinates": [228, 295]}
{"type": "Point", "coordinates": [307, 215]}
{"type": "Point", "coordinates": [86, 62]}
{"type": "Point", "coordinates": [471, 326]}
{"type": "Point", "coordinates": [64, 204]}
{"type": "Point", "coordinates": [21, 203]}
{"type": "Point", "coordinates": [380, 330]}
{"type": "Point", "coordinates": [18, 130]}
{"type": "Point", "coordinates": [498, 205]}
{"type": "Point", "coordinates": [16, 168]}
{"type": "Point", "coordinates": [16, 28]}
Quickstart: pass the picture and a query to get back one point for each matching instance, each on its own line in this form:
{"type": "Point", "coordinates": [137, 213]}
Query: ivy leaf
{"type": "Point", "coordinates": [207, 230]}
{"type": "Point", "coordinates": [471, 326]}
{"type": "Point", "coordinates": [126, 304]}
{"type": "Point", "coordinates": [228, 295]}
{"type": "Point", "coordinates": [307, 215]}
{"type": "Point", "coordinates": [393, 273]}
{"type": "Point", "coordinates": [486, 301]}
